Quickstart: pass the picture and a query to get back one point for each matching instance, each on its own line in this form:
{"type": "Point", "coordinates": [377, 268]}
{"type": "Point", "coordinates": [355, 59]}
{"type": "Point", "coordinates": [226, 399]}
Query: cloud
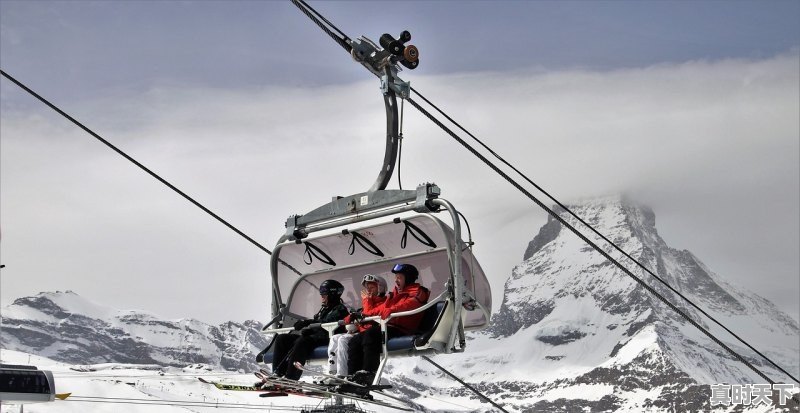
{"type": "Point", "coordinates": [712, 146]}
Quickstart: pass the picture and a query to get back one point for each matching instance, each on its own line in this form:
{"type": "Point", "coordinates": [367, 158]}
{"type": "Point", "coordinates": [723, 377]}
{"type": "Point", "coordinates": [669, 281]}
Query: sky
{"type": "Point", "coordinates": [688, 107]}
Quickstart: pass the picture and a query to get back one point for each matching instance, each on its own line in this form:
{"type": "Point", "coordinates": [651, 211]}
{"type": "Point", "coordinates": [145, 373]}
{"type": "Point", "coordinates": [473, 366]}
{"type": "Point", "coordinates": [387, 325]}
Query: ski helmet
{"type": "Point", "coordinates": [408, 270]}
{"type": "Point", "coordinates": [331, 288]}
{"type": "Point", "coordinates": [369, 278]}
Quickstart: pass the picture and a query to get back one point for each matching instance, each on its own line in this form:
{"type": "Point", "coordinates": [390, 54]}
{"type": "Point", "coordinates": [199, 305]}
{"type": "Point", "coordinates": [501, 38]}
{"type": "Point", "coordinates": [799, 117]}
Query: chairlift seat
{"type": "Point", "coordinates": [400, 343]}
{"type": "Point", "coordinates": [427, 324]}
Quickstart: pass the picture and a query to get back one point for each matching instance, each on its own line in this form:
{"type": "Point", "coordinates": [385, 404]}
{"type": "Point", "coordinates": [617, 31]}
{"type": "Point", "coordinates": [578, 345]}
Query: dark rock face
{"type": "Point", "coordinates": [42, 304]}
{"type": "Point", "coordinates": [507, 322]}
{"type": "Point", "coordinates": [704, 285]}
{"type": "Point", "coordinates": [607, 403]}
{"type": "Point", "coordinates": [79, 339]}
{"type": "Point", "coordinates": [563, 338]}
{"type": "Point", "coordinates": [547, 233]}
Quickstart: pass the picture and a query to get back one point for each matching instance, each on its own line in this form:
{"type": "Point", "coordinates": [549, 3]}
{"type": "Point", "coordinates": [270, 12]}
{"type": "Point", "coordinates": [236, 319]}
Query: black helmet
{"type": "Point", "coordinates": [408, 270]}
{"type": "Point", "coordinates": [331, 288]}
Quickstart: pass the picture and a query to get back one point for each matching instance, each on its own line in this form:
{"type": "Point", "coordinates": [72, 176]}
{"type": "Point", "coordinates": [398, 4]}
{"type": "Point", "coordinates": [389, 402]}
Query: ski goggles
{"type": "Point", "coordinates": [404, 269]}
{"type": "Point", "coordinates": [369, 278]}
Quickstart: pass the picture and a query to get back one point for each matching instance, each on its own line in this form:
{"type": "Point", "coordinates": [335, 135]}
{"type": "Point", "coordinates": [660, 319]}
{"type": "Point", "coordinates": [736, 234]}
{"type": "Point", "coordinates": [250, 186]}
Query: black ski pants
{"type": "Point", "coordinates": [364, 351]}
{"type": "Point", "coordinates": [290, 348]}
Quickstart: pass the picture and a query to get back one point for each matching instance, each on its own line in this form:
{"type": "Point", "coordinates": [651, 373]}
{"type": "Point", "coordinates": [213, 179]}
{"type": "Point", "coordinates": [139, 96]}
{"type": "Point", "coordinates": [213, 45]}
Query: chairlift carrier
{"type": "Point", "coordinates": [26, 384]}
{"type": "Point", "coordinates": [369, 232]}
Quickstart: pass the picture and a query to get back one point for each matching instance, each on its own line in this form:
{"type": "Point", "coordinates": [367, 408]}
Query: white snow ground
{"type": "Point", "coordinates": [128, 384]}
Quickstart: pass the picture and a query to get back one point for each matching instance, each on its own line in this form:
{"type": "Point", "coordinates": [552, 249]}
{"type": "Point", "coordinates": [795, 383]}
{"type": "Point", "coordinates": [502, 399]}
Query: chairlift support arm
{"type": "Point", "coordinates": [384, 64]}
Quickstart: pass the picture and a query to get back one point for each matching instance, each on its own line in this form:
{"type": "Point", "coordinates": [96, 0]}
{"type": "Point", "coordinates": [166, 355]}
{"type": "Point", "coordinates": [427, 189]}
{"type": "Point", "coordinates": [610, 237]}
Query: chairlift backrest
{"type": "Point", "coordinates": [422, 240]}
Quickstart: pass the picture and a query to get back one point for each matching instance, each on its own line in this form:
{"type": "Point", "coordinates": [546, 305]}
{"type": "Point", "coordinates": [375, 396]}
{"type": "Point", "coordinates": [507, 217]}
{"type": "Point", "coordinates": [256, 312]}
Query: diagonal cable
{"type": "Point", "coordinates": [463, 383]}
{"type": "Point", "coordinates": [604, 238]}
{"type": "Point", "coordinates": [594, 245]}
{"type": "Point", "coordinates": [142, 167]}
{"type": "Point", "coordinates": [326, 26]}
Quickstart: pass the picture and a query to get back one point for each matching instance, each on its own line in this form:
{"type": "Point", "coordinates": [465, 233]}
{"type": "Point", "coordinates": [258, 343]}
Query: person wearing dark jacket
{"type": "Point", "coordinates": [292, 347]}
{"type": "Point", "coordinates": [365, 348]}
{"type": "Point", "coordinates": [373, 293]}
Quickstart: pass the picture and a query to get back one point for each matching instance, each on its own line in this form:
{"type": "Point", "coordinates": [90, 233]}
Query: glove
{"type": "Point", "coordinates": [307, 332]}
{"type": "Point", "coordinates": [356, 316]}
{"type": "Point", "coordinates": [301, 324]}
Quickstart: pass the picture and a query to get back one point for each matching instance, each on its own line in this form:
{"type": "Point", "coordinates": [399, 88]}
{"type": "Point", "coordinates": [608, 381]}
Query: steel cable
{"type": "Point", "coordinates": [613, 245]}
{"type": "Point", "coordinates": [592, 244]}
{"type": "Point", "coordinates": [144, 168]}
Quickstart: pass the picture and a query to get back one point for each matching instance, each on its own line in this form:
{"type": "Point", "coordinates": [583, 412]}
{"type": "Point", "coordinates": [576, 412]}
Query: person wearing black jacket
{"type": "Point", "coordinates": [292, 347]}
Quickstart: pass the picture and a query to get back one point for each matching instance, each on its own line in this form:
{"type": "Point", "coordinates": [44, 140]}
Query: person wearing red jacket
{"type": "Point", "coordinates": [365, 348]}
{"type": "Point", "coordinates": [372, 294]}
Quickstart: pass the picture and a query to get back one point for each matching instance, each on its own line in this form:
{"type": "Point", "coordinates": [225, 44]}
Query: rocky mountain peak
{"type": "Point", "coordinates": [575, 333]}
{"type": "Point", "coordinates": [560, 273]}
{"type": "Point", "coordinates": [616, 214]}
{"type": "Point", "coordinates": [67, 327]}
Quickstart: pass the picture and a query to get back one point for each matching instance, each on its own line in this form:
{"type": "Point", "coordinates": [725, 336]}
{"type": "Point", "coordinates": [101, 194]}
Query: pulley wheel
{"type": "Point", "coordinates": [411, 54]}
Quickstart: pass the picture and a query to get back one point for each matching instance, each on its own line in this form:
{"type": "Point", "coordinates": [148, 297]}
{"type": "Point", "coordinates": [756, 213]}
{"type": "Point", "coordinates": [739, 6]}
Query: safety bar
{"type": "Point", "coordinates": [383, 323]}
{"type": "Point", "coordinates": [333, 325]}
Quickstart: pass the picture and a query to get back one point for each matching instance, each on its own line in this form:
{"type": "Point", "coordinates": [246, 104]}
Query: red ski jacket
{"type": "Point", "coordinates": [411, 297]}
{"type": "Point", "coordinates": [367, 302]}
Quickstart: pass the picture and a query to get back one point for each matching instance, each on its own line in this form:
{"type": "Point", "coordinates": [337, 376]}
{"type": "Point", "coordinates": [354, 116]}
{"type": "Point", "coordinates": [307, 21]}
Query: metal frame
{"type": "Point", "coordinates": [360, 207]}
{"type": "Point", "coordinates": [369, 206]}
{"type": "Point", "coordinates": [392, 135]}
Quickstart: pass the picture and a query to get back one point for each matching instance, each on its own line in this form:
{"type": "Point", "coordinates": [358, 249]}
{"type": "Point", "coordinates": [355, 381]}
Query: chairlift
{"type": "Point", "coordinates": [26, 384]}
{"type": "Point", "coordinates": [368, 233]}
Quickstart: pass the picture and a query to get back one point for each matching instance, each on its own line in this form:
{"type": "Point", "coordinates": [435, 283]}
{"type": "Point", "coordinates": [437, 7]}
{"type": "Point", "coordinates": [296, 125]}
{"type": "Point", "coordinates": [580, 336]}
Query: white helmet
{"type": "Point", "coordinates": [369, 278]}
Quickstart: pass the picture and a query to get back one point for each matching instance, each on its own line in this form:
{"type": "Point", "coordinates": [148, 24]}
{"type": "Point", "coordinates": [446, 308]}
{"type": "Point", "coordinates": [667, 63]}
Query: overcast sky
{"type": "Point", "coordinates": [688, 107]}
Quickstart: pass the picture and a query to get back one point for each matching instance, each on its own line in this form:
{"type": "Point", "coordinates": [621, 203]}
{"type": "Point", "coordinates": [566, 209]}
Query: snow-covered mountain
{"type": "Point", "coordinates": [574, 332]}
{"type": "Point", "coordinates": [66, 327]}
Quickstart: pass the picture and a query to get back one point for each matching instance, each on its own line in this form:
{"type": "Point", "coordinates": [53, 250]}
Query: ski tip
{"type": "Point", "coordinates": [273, 394]}
{"type": "Point", "coordinates": [62, 396]}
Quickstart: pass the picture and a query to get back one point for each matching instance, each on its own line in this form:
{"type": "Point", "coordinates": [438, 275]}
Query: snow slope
{"type": "Point", "coordinates": [574, 332]}
{"type": "Point", "coordinates": [69, 328]}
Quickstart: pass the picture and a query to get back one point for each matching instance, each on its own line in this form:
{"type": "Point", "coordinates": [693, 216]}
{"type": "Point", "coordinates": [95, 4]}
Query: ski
{"type": "Point", "coordinates": [329, 390]}
{"type": "Point", "coordinates": [276, 386]}
{"type": "Point", "coordinates": [229, 386]}
{"type": "Point", "coordinates": [344, 380]}
{"type": "Point", "coordinates": [352, 390]}
{"type": "Point", "coordinates": [345, 384]}
{"type": "Point", "coordinates": [272, 391]}
{"type": "Point", "coordinates": [273, 394]}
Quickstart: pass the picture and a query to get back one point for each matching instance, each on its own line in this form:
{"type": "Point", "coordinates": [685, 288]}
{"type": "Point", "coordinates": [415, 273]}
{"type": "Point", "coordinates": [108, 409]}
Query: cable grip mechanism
{"type": "Point", "coordinates": [395, 84]}
{"type": "Point", "coordinates": [391, 52]}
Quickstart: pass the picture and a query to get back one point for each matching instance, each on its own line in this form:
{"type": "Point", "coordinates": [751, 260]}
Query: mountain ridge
{"type": "Point", "coordinates": [571, 320]}
{"type": "Point", "coordinates": [72, 329]}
